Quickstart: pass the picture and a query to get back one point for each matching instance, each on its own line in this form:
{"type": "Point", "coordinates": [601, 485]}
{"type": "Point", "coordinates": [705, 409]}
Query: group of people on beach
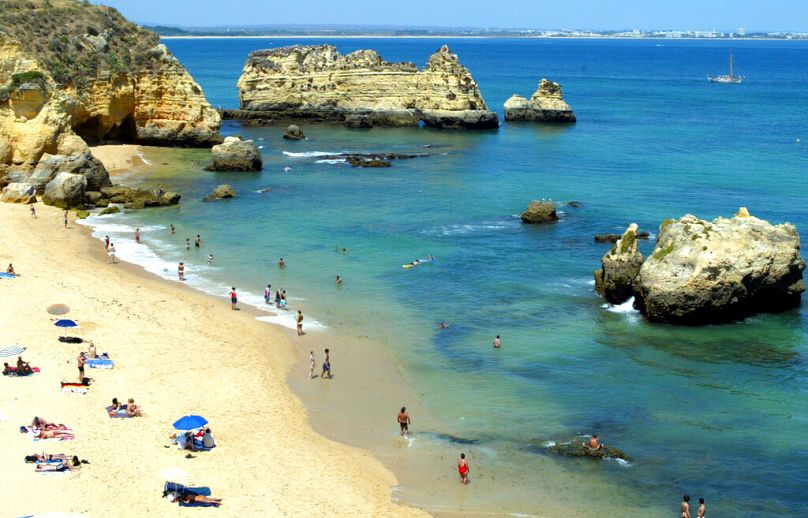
{"type": "Point", "coordinates": [326, 374]}
{"type": "Point", "coordinates": [22, 369]}
{"type": "Point", "coordinates": [685, 508]}
{"type": "Point", "coordinates": [130, 408]}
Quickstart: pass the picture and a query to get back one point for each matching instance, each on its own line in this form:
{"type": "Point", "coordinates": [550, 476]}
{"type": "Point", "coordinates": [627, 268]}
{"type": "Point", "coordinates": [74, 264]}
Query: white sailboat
{"type": "Point", "coordinates": [731, 78]}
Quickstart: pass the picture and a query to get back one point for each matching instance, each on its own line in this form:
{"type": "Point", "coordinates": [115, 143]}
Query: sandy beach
{"type": "Point", "coordinates": [176, 352]}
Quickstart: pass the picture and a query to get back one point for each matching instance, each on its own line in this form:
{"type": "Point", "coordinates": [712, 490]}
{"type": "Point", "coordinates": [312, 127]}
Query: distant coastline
{"type": "Point", "coordinates": [453, 36]}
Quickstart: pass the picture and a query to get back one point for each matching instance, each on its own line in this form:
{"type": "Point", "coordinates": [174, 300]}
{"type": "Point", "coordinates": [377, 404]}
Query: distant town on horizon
{"type": "Point", "coordinates": [394, 31]}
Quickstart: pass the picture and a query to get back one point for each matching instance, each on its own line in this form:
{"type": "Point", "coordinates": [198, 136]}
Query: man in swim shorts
{"type": "Point", "coordinates": [233, 299]}
{"type": "Point", "coordinates": [497, 342]}
{"type": "Point", "coordinates": [326, 366]}
{"type": "Point", "coordinates": [404, 421]}
{"type": "Point", "coordinates": [81, 360]}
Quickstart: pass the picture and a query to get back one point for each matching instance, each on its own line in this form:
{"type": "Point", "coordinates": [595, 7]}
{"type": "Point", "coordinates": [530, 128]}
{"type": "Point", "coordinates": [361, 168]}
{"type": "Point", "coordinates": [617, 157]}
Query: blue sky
{"type": "Point", "coordinates": [723, 15]}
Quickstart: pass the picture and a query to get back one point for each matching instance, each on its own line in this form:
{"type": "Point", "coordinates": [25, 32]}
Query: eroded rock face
{"type": "Point", "coordinates": [540, 212]}
{"type": "Point", "coordinates": [317, 82]}
{"type": "Point", "coordinates": [19, 193]}
{"type": "Point", "coordinates": [136, 90]}
{"type": "Point", "coordinates": [221, 192]}
{"type": "Point", "coordinates": [83, 163]}
{"type": "Point", "coordinates": [620, 266]}
{"type": "Point", "coordinates": [710, 272]}
{"type": "Point", "coordinates": [235, 154]}
{"type": "Point", "coordinates": [66, 190]}
{"type": "Point", "coordinates": [546, 105]}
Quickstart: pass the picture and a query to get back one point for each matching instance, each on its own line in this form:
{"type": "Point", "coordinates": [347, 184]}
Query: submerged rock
{"type": "Point", "coordinates": [619, 267]}
{"type": "Point", "coordinates": [711, 272]}
{"type": "Point", "coordinates": [576, 448]}
{"type": "Point", "coordinates": [221, 192]}
{"type": "Point", "coordinates": [357, 161]}
{"type": "Point", "coordinates": [540, 212]}
{"type": "Point", "coordinates": [546, 105]}
{"type": "Point", "coordinates": [293, 132]}
{"type": "Point", "coordinates": [235, 154]}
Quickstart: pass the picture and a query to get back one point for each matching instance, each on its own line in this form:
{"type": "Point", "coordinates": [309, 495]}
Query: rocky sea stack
{"type": "Point", "coordinates": [235, 154]}
{"type": "Point", "coordinates": [360, 89]}
{"type": "Point", "coordinates": [72, 72]}
{"type": "Point", "coordinates": [546, 105]}
{"type": "Point", "coordinates": [704, 272]}
{"type": "Point", "coordinates": [620, 266]}
{"type": "Point", "coordinates": [543, 211]}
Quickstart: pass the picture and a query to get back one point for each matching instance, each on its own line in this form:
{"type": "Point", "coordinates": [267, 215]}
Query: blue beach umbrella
{"type": "Point", "coordinates": [64, 322]}
{"type": "Point", "coordinates": [190, 422]}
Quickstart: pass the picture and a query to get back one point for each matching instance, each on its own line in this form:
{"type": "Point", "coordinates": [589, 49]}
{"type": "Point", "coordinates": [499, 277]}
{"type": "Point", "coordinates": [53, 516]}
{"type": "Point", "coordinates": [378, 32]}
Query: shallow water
{"type": "Point", "coordinates": [713, 411]}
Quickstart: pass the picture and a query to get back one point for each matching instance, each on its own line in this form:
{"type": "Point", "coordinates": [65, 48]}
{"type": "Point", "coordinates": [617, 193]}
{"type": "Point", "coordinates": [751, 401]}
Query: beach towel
{"type": "Point", "coordinates": [70, 339]}
{"type": "Point", "coordinates": [173, 487]}
{"type": "Point", "coordinates": [120, 414]}
{"type": "Point", "coordinates": [99, 363]}
{"type": "Point", "coordinates": [4, 275]}
{"type": "Point", "coordinates": [14, 374]}
{"type": "Point", "coordinates": [67, 389]}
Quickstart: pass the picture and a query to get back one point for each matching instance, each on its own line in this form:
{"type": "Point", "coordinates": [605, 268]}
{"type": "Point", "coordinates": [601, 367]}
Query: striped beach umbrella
{"type": "Point", "coordinates": [12, 350]}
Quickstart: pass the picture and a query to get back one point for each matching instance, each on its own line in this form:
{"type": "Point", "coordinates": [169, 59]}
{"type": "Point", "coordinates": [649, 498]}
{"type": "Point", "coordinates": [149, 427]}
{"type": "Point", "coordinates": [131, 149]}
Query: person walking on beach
{"type": "Point", "coordinates": [702, 509]}
{"type": "Point", "coordinates": [404, 421]}
{"type": "Point", "coordinates": [111, 254]}
{"type": "Point", "coordinates": [233, 299]}
{"type": "Point", "coordinates": [137, 235]}
{"type": "Point", "coordinates": [463, 469]}
{"type": "Point", "coordinates": [65, 219]}
{"type": "Point", "coordinates": [33, 212]}
{"type": "Point", "coordinates": [187, 243]}
{"type": "Point", "coordinates": [81, 360]}
{"type": "Point", "coordinates": [268, 294]}
{"type": "Point", "coordinates": [281, 264]}
{"type": "Point", "coordinates": [326, 366]}
{"type": "Point", "coordinates": [278, 298]}
{"type": "Point", "coordinates": [198, 241]}
{"type": "Point", "coordinates": [497, 342]}
{"type": "Point", "coordinates": [181, 271]}
{"type": "Point", "coordinates": [299, 323]}
{"type": "Point", "coordinates": [173, 230]}
{"type": "Point", "coordinates": [106, 242]}
{"type": "Point", "coordinates": [685, 507]}
{"type": "Point", "coordinates": [312, 364]}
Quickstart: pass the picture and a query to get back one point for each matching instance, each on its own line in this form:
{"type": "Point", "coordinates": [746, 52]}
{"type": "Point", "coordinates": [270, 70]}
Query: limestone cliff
{"type": "Point", "coordinates": [72, 72]}
{"type": "Point", "coordinates": [546, 105]}
{"type": "Point", "coordinates": [317, 82]}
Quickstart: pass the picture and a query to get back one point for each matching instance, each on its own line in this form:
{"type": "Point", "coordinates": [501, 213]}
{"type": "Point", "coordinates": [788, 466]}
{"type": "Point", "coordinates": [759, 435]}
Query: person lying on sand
{"type": "Point", "coordinates": [46, 457]}
{"type": "Point", "coordinates": [174, 496]}
{"type": "Point", "coordinates": [54, 434]}
{"type": "Point", "coordinates": [42, 424]}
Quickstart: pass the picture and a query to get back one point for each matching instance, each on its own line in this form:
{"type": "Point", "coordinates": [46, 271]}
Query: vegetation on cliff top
{"type": "Point", "coordinates": [76, 41]}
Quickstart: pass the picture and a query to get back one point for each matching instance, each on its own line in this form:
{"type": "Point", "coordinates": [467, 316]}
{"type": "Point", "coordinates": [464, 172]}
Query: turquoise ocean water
{"type": "Point", "coordinates": [718, 412]}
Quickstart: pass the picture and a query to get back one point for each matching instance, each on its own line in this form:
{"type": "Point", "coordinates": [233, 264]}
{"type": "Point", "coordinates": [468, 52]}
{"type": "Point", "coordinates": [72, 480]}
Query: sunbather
{"type": "Point", "coordinates": [53, 434]}
{"type": "Point", "coordinates": [132, 409]}
{"type": "Point", "coordinates": [46, 457]}
{"type": "Point", "coordinates": [8, 370]}
{"type": "Point", "coordinates": [10, 269]}
{"type": "Point", "coordinates": [41, 424]}
{"type": "Point", "coordinates": [176, 496]}
{"type": "Point", "coordinates": [23, 368]}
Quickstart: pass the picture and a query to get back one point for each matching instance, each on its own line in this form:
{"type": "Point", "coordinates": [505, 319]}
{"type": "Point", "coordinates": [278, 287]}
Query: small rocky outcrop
{"type": "Point", "coordinates": [110, 210]}
{"type": "Point", "coordinates": [546, 105]}
{"type": "Point", "coordinates": [613, 238]}
{"type": "Point", "coordinates": [293, 132]}
{"type": "Point", "coordinates": [19, 193]}
{"type": "Point", "coordinates": [712, 272]}
{"type": "Point", "coordinates": [221, 192]}
{"type": "Point", "coordinates": [619, 267]}
{"type": "Point", "coordinates": [360, 89]}
{"type": "Point", "coordinates": [132, 198]}
{"type": "Point", "coordinates": [66, 191]}
{"type": "Point", "coordinates": [81, 163]}
{"type": "Point", "coordinates": [358, 161]}
{"type": "Point", "coordinates": [576, 448]}
{"type": "Point", "coordinates": [235, 154]}
{"type": "Point", "coordinates": [543, 211]}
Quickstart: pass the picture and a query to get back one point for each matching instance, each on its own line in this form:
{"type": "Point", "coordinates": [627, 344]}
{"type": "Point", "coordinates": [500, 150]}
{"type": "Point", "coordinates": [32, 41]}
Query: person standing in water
{"type": "Point", "coordinates": [210, 259]}
{"type": "Point", "coordinates": [339, 280]}
{"type": "Point", "coordinates": [278, 298]}
{"type": "Point", "coordinates": [187, 243]}
{"type": "Point", "coordinates": [312, 364]}
{"type": "Point", "coordinates": [463, 469]}
{"type": "Point", "coordinates": [106, 242]}
{"type": "Point", "coordinates": [281, 264]}
{"type": "Point", "coordinates": [685, 507]}
{"type": "Point", "coordinates": [497, 342]}
{"type": "Point", "coordinates": [299, 323]}
{"type": "Point", "coordinates": [702, 509]}
{"type": "Point", "coordinates": [404, 421]}
{"type": "Point", "coordinates": [173, 230]}
{"type": "Point", "coordinates": [233, 299]}
{"type": "Point", "coordinates": [181, 271]}
{"type": "Point", "coordinates": [268, 294]}
{"type": "Point", "coordinates": [326, 366]}
{"type": "Point", "coordinates": [137, 235]}
{"type": "Point", "coordinates": [198, 241]}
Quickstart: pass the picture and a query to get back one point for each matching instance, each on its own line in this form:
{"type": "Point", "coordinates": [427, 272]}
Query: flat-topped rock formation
{"type": "Point", "coordinates": [546, 105]}
{"type": "Point", "coordinates": [235, 154]}
{"type": "Point", "coordinates": [95, 77]}
{"type": "Point", "coordinates": [361, 89]}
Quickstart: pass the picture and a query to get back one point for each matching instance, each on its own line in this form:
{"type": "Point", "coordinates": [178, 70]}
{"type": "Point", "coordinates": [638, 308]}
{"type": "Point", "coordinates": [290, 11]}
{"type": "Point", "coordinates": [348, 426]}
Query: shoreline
{"type": "Point", "coordinates": [106, 299]}
{"type": "Point", "coordinates": [459, 37]}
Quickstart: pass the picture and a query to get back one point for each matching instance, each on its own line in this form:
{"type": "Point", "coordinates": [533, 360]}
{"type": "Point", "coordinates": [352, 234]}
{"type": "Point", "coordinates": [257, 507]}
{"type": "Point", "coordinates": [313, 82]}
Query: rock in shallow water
{"type": "Point", "coordinates": [546, 105]}
{"type": "Point", "coordinates": [235, 154]}
{"type": "Point", "coordinates": [540, 212]}
{"type": "Point", "coordinates": [293, 132]}
{"type": "Point", "coordinates": [711, 272]}
{"type": "Point", "coordinates": [620, 266]}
